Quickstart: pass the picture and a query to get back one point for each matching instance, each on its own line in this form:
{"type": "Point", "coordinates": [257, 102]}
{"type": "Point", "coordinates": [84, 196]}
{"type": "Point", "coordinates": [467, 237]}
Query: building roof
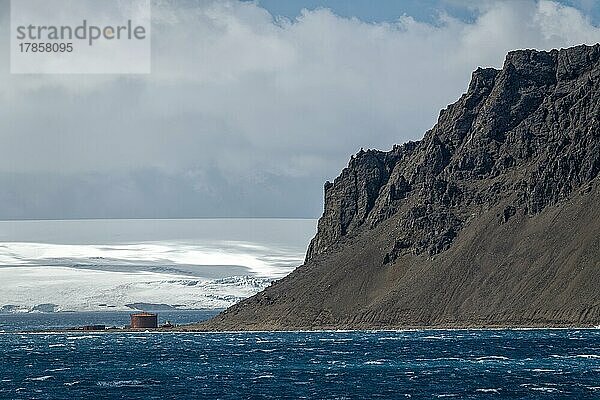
{"type": "Point", "coordinates": [144, 314]}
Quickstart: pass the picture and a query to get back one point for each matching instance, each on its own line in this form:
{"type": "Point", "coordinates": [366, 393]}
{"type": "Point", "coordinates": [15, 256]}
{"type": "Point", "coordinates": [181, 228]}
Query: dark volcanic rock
{"type": "Point", "coordinates": [490, 219]}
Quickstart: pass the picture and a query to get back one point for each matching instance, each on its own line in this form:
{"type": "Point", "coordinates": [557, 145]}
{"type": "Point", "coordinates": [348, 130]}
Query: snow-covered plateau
{"type": "Point", "coordinates": [94, 265]}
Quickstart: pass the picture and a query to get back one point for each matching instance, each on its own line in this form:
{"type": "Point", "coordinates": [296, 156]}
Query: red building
{"type": "Point", "coordinates": [144, 320]}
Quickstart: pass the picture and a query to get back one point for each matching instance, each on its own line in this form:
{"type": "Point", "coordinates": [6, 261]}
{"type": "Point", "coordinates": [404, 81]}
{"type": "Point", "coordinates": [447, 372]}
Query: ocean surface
{"type": "Point", "coordinates": [108, 265]}
{"type": "Point", "coordinates": [461, 364]}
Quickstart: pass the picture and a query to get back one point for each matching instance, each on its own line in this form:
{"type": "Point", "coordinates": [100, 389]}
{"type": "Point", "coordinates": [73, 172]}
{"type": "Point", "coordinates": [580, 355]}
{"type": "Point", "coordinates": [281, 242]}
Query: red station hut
{"type": "Point", "coordinates": [144, 320]}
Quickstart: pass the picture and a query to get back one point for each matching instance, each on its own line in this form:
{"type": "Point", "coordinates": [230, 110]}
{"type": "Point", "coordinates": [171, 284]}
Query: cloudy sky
{"type": "Point", "coordinates": [251, 106]}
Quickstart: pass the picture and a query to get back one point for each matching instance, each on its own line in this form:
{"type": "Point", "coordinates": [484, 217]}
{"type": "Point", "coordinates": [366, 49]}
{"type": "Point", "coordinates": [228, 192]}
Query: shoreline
{"type": "Point", "coordinates": [183, 330]}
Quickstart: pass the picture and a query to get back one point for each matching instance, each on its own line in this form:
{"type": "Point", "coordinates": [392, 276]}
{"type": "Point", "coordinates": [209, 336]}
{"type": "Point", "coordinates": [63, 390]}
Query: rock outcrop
{"type": "Point", "coordinates": [491, 219]}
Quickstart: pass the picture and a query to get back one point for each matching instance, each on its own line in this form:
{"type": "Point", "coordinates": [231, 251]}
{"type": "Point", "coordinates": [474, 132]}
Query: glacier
{"type": "Point", "coordinates": [99, 265]}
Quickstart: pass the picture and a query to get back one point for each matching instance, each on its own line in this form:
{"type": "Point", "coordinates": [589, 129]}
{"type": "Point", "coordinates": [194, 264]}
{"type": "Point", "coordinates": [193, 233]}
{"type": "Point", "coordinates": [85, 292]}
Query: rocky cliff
{"type": "Point", "coordinates": [492, 219]}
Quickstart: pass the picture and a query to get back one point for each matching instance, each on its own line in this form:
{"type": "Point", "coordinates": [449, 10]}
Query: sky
{"type": "Point", "coordinates": [252, 105]}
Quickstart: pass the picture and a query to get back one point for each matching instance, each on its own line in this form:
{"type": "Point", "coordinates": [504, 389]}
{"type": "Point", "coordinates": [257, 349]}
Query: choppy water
{"type": "Point", "coordinates": [476, 364]}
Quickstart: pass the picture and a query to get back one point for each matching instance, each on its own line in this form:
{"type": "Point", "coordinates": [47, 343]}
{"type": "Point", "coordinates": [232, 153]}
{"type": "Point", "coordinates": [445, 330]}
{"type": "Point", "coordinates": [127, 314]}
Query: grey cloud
{"type": "Point", "coordinates": [244, 114]}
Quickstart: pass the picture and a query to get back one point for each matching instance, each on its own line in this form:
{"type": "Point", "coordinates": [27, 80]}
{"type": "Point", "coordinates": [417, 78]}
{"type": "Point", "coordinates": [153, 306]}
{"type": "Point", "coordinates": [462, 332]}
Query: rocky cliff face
{"type": "Point", "coordinates": [455, 228]}
{"type": "Point", "coordinates": [539, 113]}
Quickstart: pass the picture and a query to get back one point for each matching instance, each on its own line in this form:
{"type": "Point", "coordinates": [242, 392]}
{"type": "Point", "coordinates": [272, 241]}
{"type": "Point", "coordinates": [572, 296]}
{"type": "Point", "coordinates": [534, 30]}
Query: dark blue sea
{"type": "Point", "coordinates": [462, 364]}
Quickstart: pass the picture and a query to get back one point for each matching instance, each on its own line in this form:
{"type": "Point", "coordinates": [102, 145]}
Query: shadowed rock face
{"type": "Point", "coordinates": [491, 219]}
